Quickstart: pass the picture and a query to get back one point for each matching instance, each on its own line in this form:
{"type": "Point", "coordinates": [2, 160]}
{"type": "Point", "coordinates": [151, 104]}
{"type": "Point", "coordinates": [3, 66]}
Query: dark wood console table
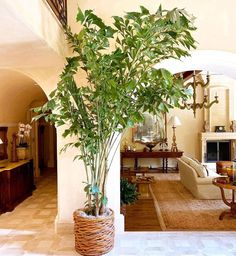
{"type": "Point", "coordinates": [154, 154]}
{"type": "Point", "coordinates": [16, 184]}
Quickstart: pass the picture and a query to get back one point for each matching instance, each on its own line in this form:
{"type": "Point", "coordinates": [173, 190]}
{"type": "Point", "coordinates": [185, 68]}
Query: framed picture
{"type": "Point", "coordinates": [154, 128]}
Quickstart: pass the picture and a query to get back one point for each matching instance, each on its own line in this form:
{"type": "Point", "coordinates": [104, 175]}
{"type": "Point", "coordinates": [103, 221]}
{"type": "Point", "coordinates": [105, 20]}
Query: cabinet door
{"type": "Point", "coordinates": [15, 186]}
{"type": "Point", "coordinates": [3, 192]}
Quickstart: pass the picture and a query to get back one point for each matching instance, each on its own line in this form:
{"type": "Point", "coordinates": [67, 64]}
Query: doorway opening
{"type": "Point", "coordinates": [47, 156]}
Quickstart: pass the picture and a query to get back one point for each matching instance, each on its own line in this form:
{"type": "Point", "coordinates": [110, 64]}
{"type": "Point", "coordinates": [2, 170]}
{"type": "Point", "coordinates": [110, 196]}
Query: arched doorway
{"type": "Point", "coordinates": [18, 95]}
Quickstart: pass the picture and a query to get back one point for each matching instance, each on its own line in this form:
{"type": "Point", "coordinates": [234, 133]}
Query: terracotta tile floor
{"type": "Point", "coordinates": [29, 231]}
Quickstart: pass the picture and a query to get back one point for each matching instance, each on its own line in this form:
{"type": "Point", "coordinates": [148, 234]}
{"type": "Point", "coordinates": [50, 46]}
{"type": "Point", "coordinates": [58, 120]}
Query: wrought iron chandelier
{"type": "Point", "coordinates": [205, 102]}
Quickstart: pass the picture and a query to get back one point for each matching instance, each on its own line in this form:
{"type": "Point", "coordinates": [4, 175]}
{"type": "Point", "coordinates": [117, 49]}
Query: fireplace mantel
{"type": "Point", "coordinates": [217, 136]}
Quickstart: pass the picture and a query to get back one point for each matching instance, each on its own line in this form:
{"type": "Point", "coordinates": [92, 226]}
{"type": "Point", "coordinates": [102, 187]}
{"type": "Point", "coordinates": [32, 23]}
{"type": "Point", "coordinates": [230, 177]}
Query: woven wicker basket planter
{"type": "Point", "coordinates": [94, 236]}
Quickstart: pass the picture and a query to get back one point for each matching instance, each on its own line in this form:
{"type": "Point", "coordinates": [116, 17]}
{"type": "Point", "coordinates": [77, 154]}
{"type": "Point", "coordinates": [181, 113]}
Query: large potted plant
{"type": "Point", "coordinates": [117, 61]}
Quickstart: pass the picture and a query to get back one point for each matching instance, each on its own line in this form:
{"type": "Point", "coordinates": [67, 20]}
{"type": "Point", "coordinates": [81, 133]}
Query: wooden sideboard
{"type": "Point", "coordinates": [16, 184]}
{"type": "Point", "coordinates": [153, 154]}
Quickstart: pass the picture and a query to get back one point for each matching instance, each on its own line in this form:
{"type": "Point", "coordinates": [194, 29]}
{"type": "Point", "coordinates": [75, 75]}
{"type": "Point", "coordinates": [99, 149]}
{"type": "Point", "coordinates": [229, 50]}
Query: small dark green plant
{"type": "Point", "coordinates": [128, 192]}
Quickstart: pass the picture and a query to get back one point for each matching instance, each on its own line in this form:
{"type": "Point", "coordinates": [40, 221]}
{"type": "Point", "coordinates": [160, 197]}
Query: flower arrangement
{"type": "Point", "coordinates": [23, 134]}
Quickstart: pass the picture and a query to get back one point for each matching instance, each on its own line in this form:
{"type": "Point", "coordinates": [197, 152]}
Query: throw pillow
{"type": "Point", "coordinates": [186, 159]}
{"type": "Point", "coordinates": [205, 166]}
{"type": "Point", "coordinates": [199, 168]}
{"type": "Point", "coordinates": [195, 159]}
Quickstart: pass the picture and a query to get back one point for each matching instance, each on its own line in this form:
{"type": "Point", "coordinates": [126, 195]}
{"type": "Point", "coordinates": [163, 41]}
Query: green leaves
{"type": "Point", "coordinates": [88, 18]}
{"type": "Point", "coordinates": [128, 192]}
{"type": "Point", "coordinates": [121, 83]}
{"type": "Point", "coordinates": [80, 16]}
{"type": "Point", "coordinates": [144, 10]}
{"type": "Point", "coordinates": [104, 200]}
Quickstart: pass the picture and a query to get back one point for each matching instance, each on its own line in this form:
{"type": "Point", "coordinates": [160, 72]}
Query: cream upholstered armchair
{"type": "Point", "coordinates": [198, 180]}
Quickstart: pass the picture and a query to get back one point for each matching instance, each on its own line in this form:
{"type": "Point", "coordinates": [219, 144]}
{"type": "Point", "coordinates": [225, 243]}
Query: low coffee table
{"type": "Point", "coordinates": [232, 204]}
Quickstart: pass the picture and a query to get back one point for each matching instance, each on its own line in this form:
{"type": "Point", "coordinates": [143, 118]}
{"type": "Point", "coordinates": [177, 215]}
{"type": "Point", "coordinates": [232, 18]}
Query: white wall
{"type": "Point", "coordinates": [71, 174]}
{"type": "Point", "coordinates": [41, 20]}
{"type": "Point", "coordinates": [215, 20]}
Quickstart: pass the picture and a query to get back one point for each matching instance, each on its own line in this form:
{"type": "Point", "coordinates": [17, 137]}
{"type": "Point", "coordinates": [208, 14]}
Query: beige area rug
{"type": "Point", "coordinates": [178, 209]}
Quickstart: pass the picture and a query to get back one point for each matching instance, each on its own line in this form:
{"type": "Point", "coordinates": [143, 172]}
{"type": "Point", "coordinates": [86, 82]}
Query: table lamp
{"type": "Point", "coordinates": [174, 122]}
{"type": "Point", "coordinates": [1, 142]}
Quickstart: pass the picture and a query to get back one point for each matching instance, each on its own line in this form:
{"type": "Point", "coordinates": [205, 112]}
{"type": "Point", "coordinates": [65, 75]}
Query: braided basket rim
{"type": "Point", "coordinates": [94, 236]}
{"type": "Point", "coordinates": [92, 218]}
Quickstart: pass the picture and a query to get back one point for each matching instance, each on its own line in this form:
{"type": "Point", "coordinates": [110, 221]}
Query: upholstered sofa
{"type": "Point", "coordinates": [198, 180]}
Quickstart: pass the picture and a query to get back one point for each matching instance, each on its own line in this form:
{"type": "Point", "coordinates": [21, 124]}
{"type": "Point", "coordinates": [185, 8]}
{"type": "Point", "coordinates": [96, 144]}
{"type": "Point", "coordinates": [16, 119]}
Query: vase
{"type": "Point", "coordinates": [21, 153]}
{"type": "Point", "coordinates": [93, 235]}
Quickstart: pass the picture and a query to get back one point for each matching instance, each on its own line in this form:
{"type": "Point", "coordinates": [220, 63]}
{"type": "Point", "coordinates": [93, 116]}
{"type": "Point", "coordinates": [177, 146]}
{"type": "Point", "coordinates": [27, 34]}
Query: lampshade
{"type": "Point", "coordinates": [1, 142]}
{"type": "Point", "coordinates": [174, 121]}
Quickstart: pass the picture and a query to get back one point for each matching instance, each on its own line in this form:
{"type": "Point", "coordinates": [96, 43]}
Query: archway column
{"type": "Point", "coordinates": [71, 195]}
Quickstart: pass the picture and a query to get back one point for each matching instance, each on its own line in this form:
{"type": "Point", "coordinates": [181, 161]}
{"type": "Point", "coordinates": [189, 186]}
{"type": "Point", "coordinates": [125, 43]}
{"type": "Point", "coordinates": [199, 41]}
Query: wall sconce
{"type": "Point", "coordinates": [1, 142]}
{"type": "Point", "coordinates": [195, 105]}
{"type": "Point", "coordinates": [174, 122]}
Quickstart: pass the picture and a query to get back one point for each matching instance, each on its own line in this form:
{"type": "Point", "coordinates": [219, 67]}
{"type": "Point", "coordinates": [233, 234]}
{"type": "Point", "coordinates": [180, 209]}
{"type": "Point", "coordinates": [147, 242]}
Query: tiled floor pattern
{"type": "Point", "coordinates": [29, 231]}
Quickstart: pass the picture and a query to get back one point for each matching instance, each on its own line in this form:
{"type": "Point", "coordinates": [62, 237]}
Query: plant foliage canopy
{"type": "Point", "coordinates": [121, 84]}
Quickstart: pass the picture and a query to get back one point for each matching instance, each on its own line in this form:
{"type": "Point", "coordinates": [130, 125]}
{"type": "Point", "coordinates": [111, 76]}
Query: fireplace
{"type": "Point", "coordinates": [218, 146]}
{"type": "Point", "coordinates": [218, 151]}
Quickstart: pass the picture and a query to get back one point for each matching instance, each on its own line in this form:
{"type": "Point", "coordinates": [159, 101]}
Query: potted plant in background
{"type": "Point", "coordinates": [121, 84]}
{"type": "Point", "coordinates": [128, 194]}
{"type": "Point", "coordinates": [23, 136]}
